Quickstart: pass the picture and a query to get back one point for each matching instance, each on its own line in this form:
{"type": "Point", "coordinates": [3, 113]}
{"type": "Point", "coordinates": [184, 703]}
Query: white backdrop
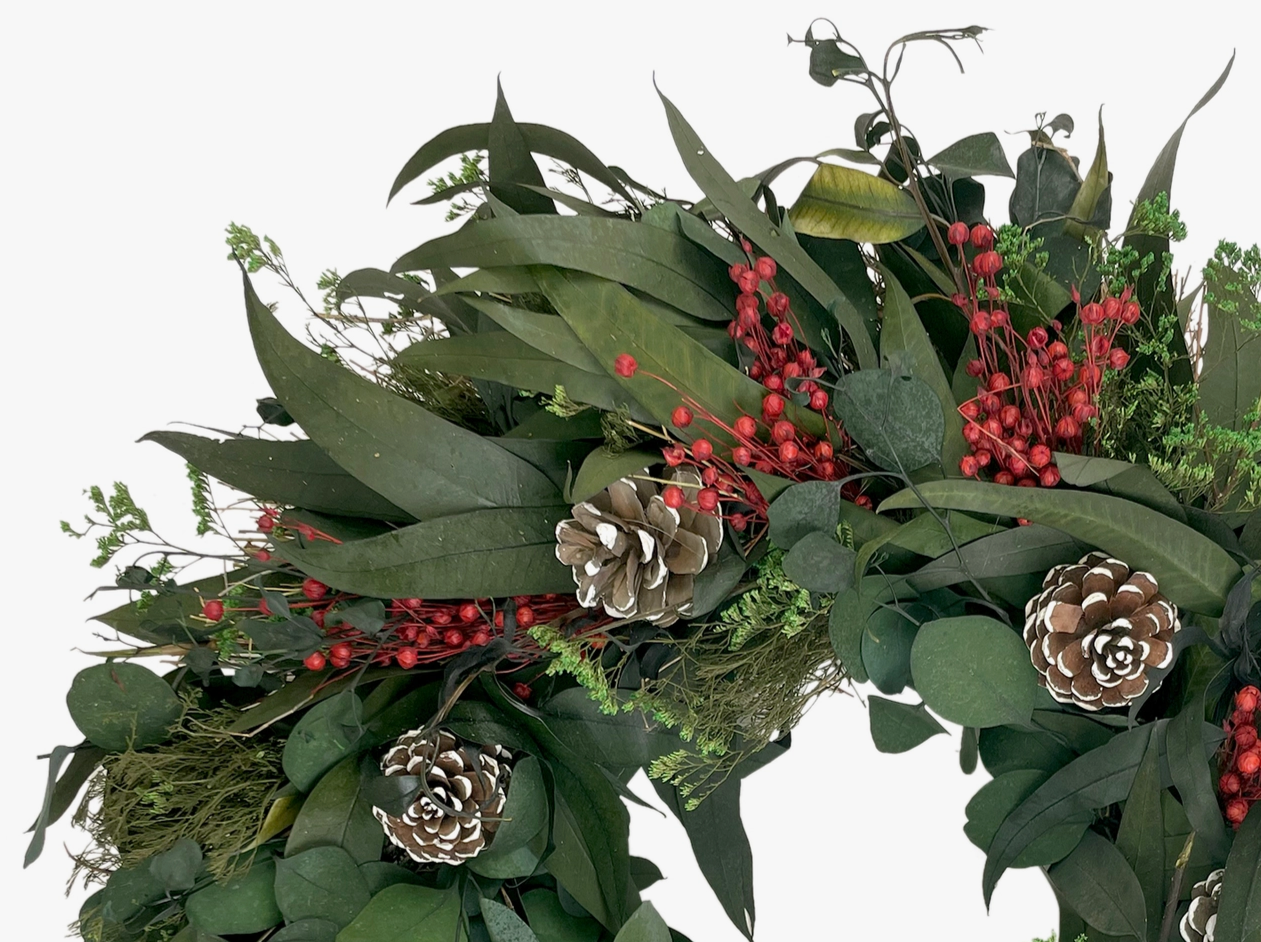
{"type": "Point", "coordinates": [133, 133]}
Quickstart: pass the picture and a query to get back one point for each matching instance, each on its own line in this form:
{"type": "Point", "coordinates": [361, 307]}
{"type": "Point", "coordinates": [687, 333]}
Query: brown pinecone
{"type": "Point", "coordinates": [467, 780]}
{"type": "Point", "coordinates": [1095, 629]}
{"type": "Point", "coordinates": [633, 554]}
{"type": "Point", "coordinates": [1200, 922]}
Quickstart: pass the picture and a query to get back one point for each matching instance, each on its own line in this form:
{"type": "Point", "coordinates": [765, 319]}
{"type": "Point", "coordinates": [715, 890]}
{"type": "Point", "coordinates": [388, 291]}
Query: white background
{"type": "Point", "coordinates": [133, 133]}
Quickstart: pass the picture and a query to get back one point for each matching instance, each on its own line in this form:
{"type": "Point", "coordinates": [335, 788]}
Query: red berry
{"type": "Point", "coordinates": [774, 382]}
{"type": "Point", "coordinates": [469, 613]}
{"type": "Point", "coordinates": [983, 458]}
{"type": "Point", "coordinates": [1033, 377]}
{"type": "Point", "coordinates": [702, 450]}
{"type": "Point", "coordinates": [741, 455]}
{"type": "Point", "coordinates": [783, 431]}
{"type": "Point", "coordinates": [993, 427]}
{"type": "Point", "coordinates": [987, 264]}
{"type": "Point", "coordinates": [1057, 349]}
{"type": "Point", "coordinates": [315, 661]}
{"type": "Point", "coordinates": [1062, 368]}
{"type": "Point", "coordinates": [1130, 313]}
{"type": "Point", "coordinates": [266, 523]}
{"type": "Point", "coordinates": [339, 662]}
{"type": "Point", "coordinates": [1000, 318]}
{"type": "Point", "coordinates": [1067, 427]}
{"type": "Point", "coordinates": [958, 233]}
{"type": "Point", "coordinates": [480, 637]}
{"type": "Point", "coordinates": [710, 476]}
{"type": "Point", "coordinates": [973, 433]}
{"type": "Point", "coordinates": [737, 270]}
{"type": "Point", "coordinates": [746, 426]}
{"type": "Point", "coordinates": [674, 455]}
{"type": "Point", "coordinates": [1017, 465]}
{"type": "Point", "coordinates": [748, 282]}
{"type": "Point", "coordinates": [1237, 810]}
{"type": "Point", "coordinates": [862, 500]}
{"type": "Point", "coordinates": [1229, 784]}
{"type": "Point", "coordinates": [681, 417]}
{"type": "Point", "coordinates": [1009, 416]}
{"type": "Point", "coordinates": [442, 617]}
{"type": "Point", "coordinates": [1004, 477]}
{"type": "Point", "coordinates": [1092, 314]}
{"type": "Point", "coordinates": [982, 236]}
{"type": "Point", "coordinates": [521, 691]}
{"type": "Point", "coordinates": [782, 334]}
{"type": "Point", "coordinates": [306, 531]}
{"type": "Point", "coordinates": [969, 466]}
{"type": "Point", "coordinates": [1038, 338]}
{"type": "Point", "coordinates": [1039, 456]}
{"type": "Point", "coordinates": [818, 400]}
{"type": "Point", "coordinates": [1099, 345]}
{"type": "Point", "coordinates": [317, 616]}
{"type": "Point", "coordinates": [1248, 698]}
{"type": "Point", "coordinates": [525, 616]}
{"type": "Point", "coordinates": [747, 304]}
{"type": "Point", "coordinates": [408, 633]}
{"type": "Point", "coordinates": [1245, 736]}
{"type": "Point", "coordinates": [827, 469]}
{"type": "Point", "coordinates": [805, 360]}
{"type": "Point", "coordinates": [791, 370]}
{"type": "Point", "coordinates": [263, 556]}
{"type": "Point", "coordinates": [773, 405]}
{"type": "Point", "coordinates": [707, 499]}
{"type": "Point", "coordinates": [499, 619]}
{"type": "Point", "coordinates": [453, 638]}
{"type": "Point", "coordinates": [1111, 308]}
{"type": "Point", "coordinates": [406, 658]}
{"type": "Point", "coordinates": [975, 368]}
{"type": "Point", "coordinates": [313, 589]}
{"type": "Point", "coordinates": [777, 304]}
{"type": "Point", "coordinates": [1249, 762]}
{"type": "Point", "coordinates": [340, 651]}
{"type": "Point", "coordinates": [998, 382]}
{"type": "Point", "coordinates": [788, 452]}
{"type": "Point", "coordinates": [1049, 476]}
{"type": "Point", "coordinates": [213, 610]}
{"type": "Point", "coordinates": [1117, 358]}
{"type": "Point", "coordinates": [263, 607]}
{"type": "Point", "coordinates": [765, 267]}
{"type": "Point", "coordinates": [625, 365]}
{"type": "Point", "coordinates": [673, 496]}
{"type": "Point", "coordinates": [980, 323]}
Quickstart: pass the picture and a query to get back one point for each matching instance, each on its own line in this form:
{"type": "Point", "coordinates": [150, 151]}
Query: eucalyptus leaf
{"type": "Point", "coordinates": [320, 883]}
{"type": "Point", "coordinates": [990, 806]}
{"type": "Point", "coordinates": [337, 814]}
{"type": "Point", "coordinates": [327, 733]}
{"type": "Point", "coordinates": [405, 913]}
{"type": "Point", "coordinates": [819, 563]}
{"type": "Point", "coordinates": [974, 671]}
{"type": "Point", "coordinates": [897, 419]}
{"type": "Point", "coordinates": [1099, 885]}
{"type": "Point", "coordinates": [245, 904]}
{"type": "Point", "coordinates": [801, 509]}
{"type": "Point", "coordinates": [551, 923]}
{"type": "Point", "coordinates": [120, 706]}
{"type": "Point", "coordinates": [644, 925]}
{"type": "Point", "coordinates": [899, 727]}
{"type": "Point", "coordinates": [976, 155]}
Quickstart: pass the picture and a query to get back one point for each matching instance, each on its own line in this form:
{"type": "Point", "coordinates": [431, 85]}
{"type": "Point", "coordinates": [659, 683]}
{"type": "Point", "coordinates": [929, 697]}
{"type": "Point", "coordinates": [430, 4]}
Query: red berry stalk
{"type": "Point", "coordinates": [1239, 785]}
{"type": "Point", "coordinates": [1035, 395]}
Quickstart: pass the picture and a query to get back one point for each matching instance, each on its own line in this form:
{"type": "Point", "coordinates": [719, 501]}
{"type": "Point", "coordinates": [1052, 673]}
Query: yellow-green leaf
{"type": "Point", "coordinates": [841, 203]}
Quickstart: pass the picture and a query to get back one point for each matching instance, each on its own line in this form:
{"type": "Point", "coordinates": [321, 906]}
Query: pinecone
{"type": "Point", "coordinates": [633, 554]}
{"type": "Point", "coordinates": [1200, 922]}
{"type": "Point", "coordinates": [467, 780]}
{"type": "Point", "coordinates": [1095, 629]}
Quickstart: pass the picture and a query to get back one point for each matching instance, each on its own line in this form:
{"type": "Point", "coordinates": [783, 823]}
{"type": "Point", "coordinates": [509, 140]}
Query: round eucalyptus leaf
{"type": "Point", "coordinates": [897, 419]}
{"type": "Point", "coordinates": [119, 706]}
{"type": "Point", "coordinates": [974, 671]}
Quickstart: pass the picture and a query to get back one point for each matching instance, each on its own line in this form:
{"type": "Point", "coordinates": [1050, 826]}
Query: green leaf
{"type": "Point", "coordinates": [504, 358]}
{"type": "Point", "coordinates": [715, 583]}
{"type": "Point", "coordinates": [486, 553]}
{"type": "Point", "coordinates": [801, 509]}
{"type": "Point", "coordinates": [320, 883]}
{"type": "Point", "coordinates": [976, 155]}
{"type": "Point", "coordinates": [510, 161]}
{"type": "Point", "coordinates": [842, 203]}
{"type": "Point", "coordinates": [1099, 885]}
{"type": "Point", "coordinates": [167, 618]}
{"type": "Point", "coordinates": [847, 622]}
{"type": "Point", "coordinates": [327, 733]}
{"type": "Point", "coordinates": [619, 740]}
{"type": "Point", "coordinates": [119, 706]}
{"type": "Point", "coordinates": [600, 469]}
{"type": "Point", "coordinates": [896, 419]}
{"type": "Point", "coordinates": [660, 263]}
{"type": "Point", "coordinates": [1120, 478]}
{"type": "Point", "coordinates": [177, 869]}
{"type": "Point", "coordinates": [887, 640]}
{"type": "Point", "coordinates": [974, 671]}
{"type": "Point", "coordinates": [551, 923]}
{"type": "Point", "coordinates": [925, 535]}
{"type": "Point", "coordinates": [1093, 186]}
{"type": "Point", "coordinates": [1192, 570]}
{"type": "Point", "coordinates": [991, 805]}
{"type": "Point", "coordinates": [590, 305]}
{"type": "Point", "coordinates": [60, 793]}
{"type": "Point", "coordinates": [1014, 552]}
{"type": "Point", "coordinates": [379, 874]}
{"type": "Point", "coordinates": [1004, 749]}
{"type": "Point", "coordinates": [546, 333]}
{"type": "Point", "coordinates": [905, 347]}
{"type": "Point", "coordinates": [525, 817]}
{"type": "Point", "coordinates": [404, 913]}
{"type": "Point", "coordinates": [900, 727]}
{"type": "Point", "coordinates": [1194, 775]}
{"type": "Point", "coordinates": [336, 814]}
{"type": "Point", "coordinates": [644, 925]}
{"type": "Point", "coordinates": [307, 930]}
{"type": "Point", "coordinates": [1141, 837]}
{"type": "Point", "coordinates": [407, 455]}
{"type": "Point", "coordinates": [288, 472]}
{"type": "Point", "coordinates": [1239, 913]}
{"type": "Point", "coordinates": [1160, 180]}
{"type": "Point", "coordinates": [742, 213]}
{"type": "Point", "coordinates": [819, 563]}
{"type": "Point", "coordinates": [244, 904]}
{"type": "Point", "coordinates": [503, 925]}
{"type": "Point", "coordinates": [1229, 381]}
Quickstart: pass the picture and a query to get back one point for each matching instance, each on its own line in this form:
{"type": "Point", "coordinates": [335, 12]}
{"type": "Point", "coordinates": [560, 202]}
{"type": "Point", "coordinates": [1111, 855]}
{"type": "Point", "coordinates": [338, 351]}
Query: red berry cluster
{"type": "Point", "coordinates": [1240, 782]}
{"type": "Point", "coordinates": [1035, 395]}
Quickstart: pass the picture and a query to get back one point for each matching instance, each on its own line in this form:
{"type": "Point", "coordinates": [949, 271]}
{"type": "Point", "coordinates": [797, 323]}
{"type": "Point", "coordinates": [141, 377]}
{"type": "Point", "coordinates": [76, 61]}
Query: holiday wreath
{"type": "Point", "coordinates": [641, 482]}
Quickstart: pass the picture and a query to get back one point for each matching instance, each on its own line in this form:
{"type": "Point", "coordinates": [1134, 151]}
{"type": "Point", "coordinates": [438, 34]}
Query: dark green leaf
{"type": "Point", "coordinates": [660, 263]}
{"type": "Point", "coordinates": [510, 162]}
{"type": "Point", "coordinates": [974, 671]}
{"type": "Point", "coordinates": [600, 469]}
{"type": "Point", "coordinates": [1239, 913]}
{"type": "Point", "coordinates": [120, 706]}
{"type": "Point", "coordinates": [1194, 776]}
{"type": "Point", "coordinates": [1192, 570]}
{"type": "Point", "coordinates": [1141, 837]}
{"type": "Point", "coordinates": [997, 799]}
{"type": "Point", "coordinates": [899, 727]}
{"type": "Point", "coordinates": [486, 553]}
{"type": "Point", "coordinates": [307, 930]}
{"type": "Point", "coordinates": [546, 333]}
{"type": "Point", "coordinates": [842, 203]}
{"type": "Point", "coordinates": [733, 203]}
{"type": "Point", "coordinates": [715, 583]}
{"type": "Point", "coordinates": [404, 453]}
{"type": "Point", "coordinates": [297, 637]}
{"type": "Point", "coordinates": [525, 815]}
{"type": "Point", "coordinates": [55, 760]}
{"type": "Point", "coordinates": [320, 883]}
{"type": "Point", "coordinates": [812, 507]}
{"type": "Point", "coordinates": [1135, 482]}
{"type": "Point", "coordinates": [1229, 381]}
{"type": "Point", "coordinates": [976, 155]}
{"type": "Point", "coordinates": [294, 472]}
{"type": "Point", "coordinates": [644, 873]}
{"type": "Point", "coordinates": [897, 419]}
{"type": "Point", "coordinates": [847, 622]}
{"type": "Point", "coordinates": [503, 924]}
{"type": "Point", "coordinates": [379, 874]}
{"type": "Point", "coordinates": [327, 733]}
{"type": "Point", "coordinates": [177, 869]}
{"type": "Point", "coordinates": [887, 641]}
{"type": "Point", "coordinates": [244, 904]}
{"type": "Point", "coordinates": [644, 925]}
{"type": "Point", "coordinates": [819, 563]}
{"type": "Point", "coordinates": [404, 913]}
{"type": "Point", "coordinates": [1099, 885]}
{"type": "Point", "coordinates": [1014, 552]}
{"type": "Point", "coordinates": [337, 814]}
{"type": "Point", "coordinates": [620, 740]}
{"type": "Point", "coordinates": [969, 749]}
{"type": "Point", "coordinates": [1046, 183]}
{"type": "Point", "coordinates": [1094, 190]}
{"type": "Point", "coordinates": [1004, 749]}
{"type": "Point", "coordinates": [551, 923]}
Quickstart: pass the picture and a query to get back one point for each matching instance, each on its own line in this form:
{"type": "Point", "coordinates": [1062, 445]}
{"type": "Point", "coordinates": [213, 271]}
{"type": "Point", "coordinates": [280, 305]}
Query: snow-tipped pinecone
{"type": "Point", "coordinates": [633, 554]}
{"type": "Point", "coordinates": [1200, 922]}
{"type": "Point", "coordinates": [1096, 628]}
{"type": "Point", "coordinates": [466, 789]}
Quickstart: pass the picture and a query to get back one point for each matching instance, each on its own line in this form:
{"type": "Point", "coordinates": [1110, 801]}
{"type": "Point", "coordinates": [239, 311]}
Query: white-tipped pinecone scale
{"type": "Point", "coordinates": [1096, 628]}
{"type": "Point", "coordinates": [1200, 922]}
{"type": "Point", "coordinates": [467, 789]}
